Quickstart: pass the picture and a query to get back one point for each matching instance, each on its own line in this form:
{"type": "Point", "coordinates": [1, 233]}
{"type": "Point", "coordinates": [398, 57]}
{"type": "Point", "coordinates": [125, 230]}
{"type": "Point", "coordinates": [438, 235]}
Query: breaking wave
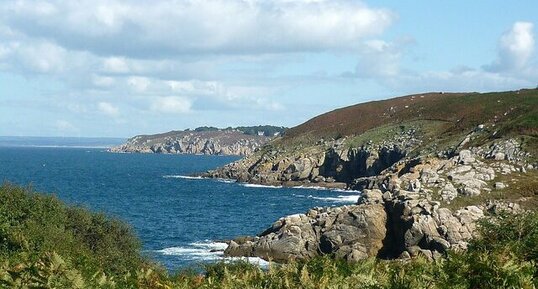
{"type": "Point", "coordinates": [261, 186]}
{"type": "Point", "coordinates": [338, 199]}
{"type": "Point", "coordinates": [182, 177]}
{"type": "Point", "coordinates": [208, 251]}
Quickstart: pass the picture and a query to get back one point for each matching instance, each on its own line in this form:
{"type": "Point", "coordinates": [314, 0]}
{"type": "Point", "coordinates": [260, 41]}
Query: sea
{"type": "Point", "coordinates": [182, 220]}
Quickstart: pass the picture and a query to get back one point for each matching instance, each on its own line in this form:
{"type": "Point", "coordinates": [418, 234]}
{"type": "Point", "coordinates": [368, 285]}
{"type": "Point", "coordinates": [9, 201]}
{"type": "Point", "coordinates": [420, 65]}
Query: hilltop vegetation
{"type": "Point", "coordinates": [46, 244]}
{"type": "Point", "coordinates": [266, 130]}
{"type": "Point", "coordinates": [514, 112]}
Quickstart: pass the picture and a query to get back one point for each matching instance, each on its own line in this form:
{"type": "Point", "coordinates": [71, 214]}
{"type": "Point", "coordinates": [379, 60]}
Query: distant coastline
{"type": "Point", "coordinates": [59, 142]}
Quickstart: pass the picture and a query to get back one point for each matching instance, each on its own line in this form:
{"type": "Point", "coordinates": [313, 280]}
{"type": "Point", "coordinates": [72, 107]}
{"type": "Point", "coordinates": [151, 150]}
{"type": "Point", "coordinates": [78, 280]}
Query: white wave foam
{"type": "Point", "coordinates": [346, 191]}
{"type": "Point", "coordinates": [252, 260]}
{"type": "Point", "coordinates": [181, 251]}
{"type": "Point", "coordinates": [208, 251]}
{"type": "Point", "coordinates": [319, 188]}
{"type": "Point", "coordinates": [311, 188]}
{"type": "Point", "coordinates": [338, 199]}
{"type": "Point", "coordinates": [261, 186]}
{"type": "Point", "coordinates": [183, 177]}
{"type": "Point", "coordinates": [228, 181]}
{"type": "Point", "coordinates": [326, 189]}
{"type": "Point", "coordinates": [210, 245]}
{"type": "Point", "coordinates": [203, 251]}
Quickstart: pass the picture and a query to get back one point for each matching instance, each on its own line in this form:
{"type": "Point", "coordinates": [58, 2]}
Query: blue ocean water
{"type": "Point", "coordinates": [180, 220]}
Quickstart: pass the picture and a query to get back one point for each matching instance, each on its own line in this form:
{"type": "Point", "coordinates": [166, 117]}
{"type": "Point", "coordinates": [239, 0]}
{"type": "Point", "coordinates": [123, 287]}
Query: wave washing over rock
{"type": "Point", "coordinates": [208, 251]}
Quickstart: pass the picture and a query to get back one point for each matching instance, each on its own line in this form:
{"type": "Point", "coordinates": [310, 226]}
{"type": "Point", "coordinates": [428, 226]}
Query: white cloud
{"type": "Point", "coordinates": [379, 59]}
{"type": "Point", "coordinates": [140, 84]}
{"type": "Point", "coordinates": [457, 80]}
{"type": "Point", "coordinates": [382, 61]}
{"type": "Point", "coordinates": [516, 47]}
{"type": "Point", "coordinates": [102, 81]}
{"type": "Point", "coordinates": [115, 65]}
{"type": "Point", "coordinates": [142, 29]}
{"type": "Point", "coordinates": [131, 51]}
{"type": "Point", "coordinates": [171, 104]}
{"type": "Point", "coordinates": [108, 109]}
{"type": "Point", "coordinates": [42, 57]}
{"type": "Point", "coordinates": [181, 86]}
{"type": "Point", "coordinates": [5, 50]}
{"type": "Point", "coordinates": [192, 61]}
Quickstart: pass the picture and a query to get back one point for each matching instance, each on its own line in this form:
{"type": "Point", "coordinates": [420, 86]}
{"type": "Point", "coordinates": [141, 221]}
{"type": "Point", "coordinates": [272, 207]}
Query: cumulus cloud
{"type": "Point", "coordinates": [40, 57]}
{"type": "Point", "coordinates": [513, 68]}
{"type": "Point", "coordinates": [379, 59]}
{"type": "Point", "coordinates": [172, 105]}
{"type": "Point", "coordinates": [516, 47]}
{"type": "Point", "coordinates": [142, 29]}
{"type": "Point", "coordinates": [115, 65]}
{"type": "Point", "coordinates": [245, 59]}
{"type": "Point", "coordinates": [108, 109]}
{"type": "Point", "coordinates": [131, 51]}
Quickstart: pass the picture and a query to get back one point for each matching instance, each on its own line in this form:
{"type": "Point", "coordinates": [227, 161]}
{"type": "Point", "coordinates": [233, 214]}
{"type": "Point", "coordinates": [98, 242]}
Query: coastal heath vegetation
{"type": "Point", "coordinates": [47, 244]}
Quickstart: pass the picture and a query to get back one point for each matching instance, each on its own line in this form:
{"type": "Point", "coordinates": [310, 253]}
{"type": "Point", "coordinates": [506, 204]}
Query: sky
{"type": "Point", "coordinates": [120, 68]}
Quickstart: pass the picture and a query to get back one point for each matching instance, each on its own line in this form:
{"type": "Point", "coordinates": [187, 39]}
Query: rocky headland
{"type": "Point", "coordinates": [399, 216]}
{"type": "Point", "coordinates": [208, 141]}
{"type": "Point", "coordinates": [429, 166]}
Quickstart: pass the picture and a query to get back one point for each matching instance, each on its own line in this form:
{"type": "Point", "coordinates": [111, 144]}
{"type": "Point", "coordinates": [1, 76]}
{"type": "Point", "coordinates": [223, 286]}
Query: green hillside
{"type": "Point", "coordinates": [440, 116]}
{"type": "Point", "coordinates": [516, 110]}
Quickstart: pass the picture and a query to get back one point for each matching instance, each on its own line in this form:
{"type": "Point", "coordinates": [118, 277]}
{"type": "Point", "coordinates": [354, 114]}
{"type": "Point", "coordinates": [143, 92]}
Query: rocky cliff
{"type": "Point", "coordinates": [349, 146]}
{"type": "Point", "coordinates": [429, 166]}
{"type": "Point", "coordinates": [406, 213]}
{"type": "Point", "coordinates": [217, 142]}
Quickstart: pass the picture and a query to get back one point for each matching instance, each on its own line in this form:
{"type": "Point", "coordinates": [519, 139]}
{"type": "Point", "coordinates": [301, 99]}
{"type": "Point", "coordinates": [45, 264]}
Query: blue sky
{"type": "Point", "coordinates": [120, 68]}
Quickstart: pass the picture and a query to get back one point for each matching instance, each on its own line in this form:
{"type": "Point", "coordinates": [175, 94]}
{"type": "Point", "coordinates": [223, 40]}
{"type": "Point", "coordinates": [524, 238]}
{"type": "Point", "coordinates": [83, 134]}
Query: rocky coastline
{"type": "Point", "coordinates": [222, 142]}
{"type": "Point", "coordinates": [405, 211]}
{"type": "Point", "coordinates": [429, 166]}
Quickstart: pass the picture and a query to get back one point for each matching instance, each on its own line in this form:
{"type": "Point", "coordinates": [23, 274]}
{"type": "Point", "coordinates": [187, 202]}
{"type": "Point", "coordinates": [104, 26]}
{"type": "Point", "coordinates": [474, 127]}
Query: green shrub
{"type": "Point", "coordinates": [36, 228]}
{"type": "Point", "coordinates": [515, 233]}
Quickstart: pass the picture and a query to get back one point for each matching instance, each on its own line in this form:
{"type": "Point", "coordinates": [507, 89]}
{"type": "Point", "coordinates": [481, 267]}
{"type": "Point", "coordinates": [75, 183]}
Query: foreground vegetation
{"type": "Point", "coordinates": [46, 244]}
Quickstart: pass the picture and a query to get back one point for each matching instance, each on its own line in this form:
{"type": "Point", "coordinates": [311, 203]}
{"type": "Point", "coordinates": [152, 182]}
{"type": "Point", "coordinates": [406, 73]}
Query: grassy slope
{"type": "Point", "coordinates": [444, 116]}
{"type": "Point", "coordinates": [463, 110]}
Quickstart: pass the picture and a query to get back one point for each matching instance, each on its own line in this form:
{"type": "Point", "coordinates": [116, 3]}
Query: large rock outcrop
{"type": "Point", "coordinates": [399, 215]}
{"type": "Point", "coordinates": [351, 232]}
{"type": "Point", "coordinates": [399, 225]}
